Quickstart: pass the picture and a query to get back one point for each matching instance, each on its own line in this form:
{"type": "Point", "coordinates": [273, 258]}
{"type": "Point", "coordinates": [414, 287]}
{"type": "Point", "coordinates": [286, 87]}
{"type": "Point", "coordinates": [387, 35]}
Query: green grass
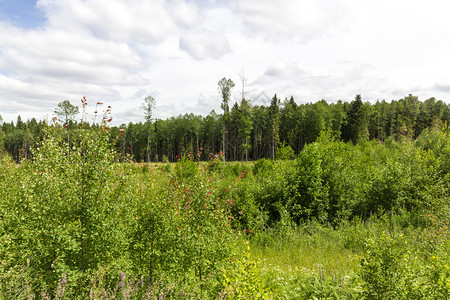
{"type": "Point", "coordinates": [314, 261]}
{"type": "Point", "coordinates": [304, 251]}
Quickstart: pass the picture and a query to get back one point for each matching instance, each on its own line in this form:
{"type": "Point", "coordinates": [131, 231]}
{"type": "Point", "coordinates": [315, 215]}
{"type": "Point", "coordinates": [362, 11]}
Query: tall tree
{"type": "Point", "coordinates": [289, 122]}
{"type": "Point", "coordinates": [338, 118]}
{"type": "Point", "coordinates": [378, 121]}
{"type": "Point", "coordinates": [274, 123]}
{"type": "Point", "coordinates": [245, 126]}
{"type": "Point", "coordinates": [147, 106]}
{"type": "Point", "coordinates": [260, 120]}
{"type": "Point", "coordinates": [224, 88]}
{"type": "Point", "coordinates": [211, 130]}
{"type": "Point", "coordinates": [66, 113]}
{"type": "Point", "coordinates": [357, 126]}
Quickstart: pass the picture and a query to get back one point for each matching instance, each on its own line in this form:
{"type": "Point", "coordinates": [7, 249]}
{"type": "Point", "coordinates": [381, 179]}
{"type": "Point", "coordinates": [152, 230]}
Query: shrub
{"type": "Point", "coordinates": [241, 280]}
{"type": "Point", "coordinates": [323, 184]}
{"type": "Point", "coordinates": [396, 266]}
{"type": "Point", "coordinates": [262, 167]}
{"type": "Point", "coordinates": [285, 152]}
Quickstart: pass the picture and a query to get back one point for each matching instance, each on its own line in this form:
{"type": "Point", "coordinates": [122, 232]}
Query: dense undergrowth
{"type": "Point", "coordinates": [339, 221]}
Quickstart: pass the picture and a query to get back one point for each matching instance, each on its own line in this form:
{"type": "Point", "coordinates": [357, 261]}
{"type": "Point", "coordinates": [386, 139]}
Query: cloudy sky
{"type": "Point", "coordinates": [120, 51]}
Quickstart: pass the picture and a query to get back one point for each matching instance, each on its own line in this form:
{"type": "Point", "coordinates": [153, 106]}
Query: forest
{"type": "Point", "coordinates": [308, 201]}
{"type": "Point", "coordinates": [251, 132]}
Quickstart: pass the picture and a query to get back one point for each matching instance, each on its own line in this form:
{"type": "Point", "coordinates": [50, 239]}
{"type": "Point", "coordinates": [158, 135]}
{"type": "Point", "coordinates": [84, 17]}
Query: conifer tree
{"type": "Point", "coordinates": [224, 88]}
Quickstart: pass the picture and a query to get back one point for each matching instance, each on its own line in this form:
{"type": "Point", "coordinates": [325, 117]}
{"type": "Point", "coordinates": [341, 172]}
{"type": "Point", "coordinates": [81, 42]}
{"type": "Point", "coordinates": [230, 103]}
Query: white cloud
{"type": "Point", "coordinates": [284, 71]}
{"type": "Point", "coordinates": [17, 95]}
{"type": "Point", "coordinates": [134, 21]}
{"type": "Point", "coordinates": [54, 53]}
{"type": "Point", "coordinates": [204, 44]}
{"type": "Point", "coordinates": [185, 14]}
{"type": "Point", "coordinates": [119, 51]}
{"type": "Point", "coordinates": [287, 79]}
{"type": "Point", "coordinates": [300, 21]}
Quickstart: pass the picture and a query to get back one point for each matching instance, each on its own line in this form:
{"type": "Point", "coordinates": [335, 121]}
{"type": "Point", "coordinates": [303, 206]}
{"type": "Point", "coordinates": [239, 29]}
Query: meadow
{"type": "Point", "coordinates": [339, 221]}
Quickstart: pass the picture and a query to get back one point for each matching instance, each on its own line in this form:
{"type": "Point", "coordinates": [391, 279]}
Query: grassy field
{"type": "Point", "coordinates": [339, 222]}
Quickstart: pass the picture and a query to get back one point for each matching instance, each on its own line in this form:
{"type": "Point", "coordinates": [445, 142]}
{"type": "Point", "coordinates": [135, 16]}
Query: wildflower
{"type": "Point", "coordinates": [122, 280]}
{"type": "Point", "coordinates": [64, 279]}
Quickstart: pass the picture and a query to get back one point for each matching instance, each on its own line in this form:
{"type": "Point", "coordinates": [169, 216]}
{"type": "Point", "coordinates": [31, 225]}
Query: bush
{"type": "Point", "coordinates": [395, 266]}
{"type": "Point", "coordinates": [59, 222]}
{"type": "Point", "coordinates": [262, 167]}
{"type": "Point", "coordinates": [323, 184]}
{"type": "Point", "coordinates": [241, 280]}
{"type": "Point", "coordinates": [285, 152]}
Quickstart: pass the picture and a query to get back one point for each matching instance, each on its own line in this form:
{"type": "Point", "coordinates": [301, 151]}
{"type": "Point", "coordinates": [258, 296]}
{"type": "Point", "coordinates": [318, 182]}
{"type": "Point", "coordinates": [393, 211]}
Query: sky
{"type": "Point", "coordinates": [120, 51]}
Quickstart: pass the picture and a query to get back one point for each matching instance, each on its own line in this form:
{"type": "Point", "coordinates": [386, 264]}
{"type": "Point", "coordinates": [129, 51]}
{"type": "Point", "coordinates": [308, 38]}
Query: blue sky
{"type": "Point", "coordinates": [120, 51]}
{"type": "Point", "coordinates": [22, 13]}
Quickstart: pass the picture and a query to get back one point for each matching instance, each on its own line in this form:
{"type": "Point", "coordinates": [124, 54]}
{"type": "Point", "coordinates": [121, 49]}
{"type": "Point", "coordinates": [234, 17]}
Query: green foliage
{"type": "Point", "coordinates": [186, 168]}
{"type": "Point", "coordinates": [269, 189]}
{"type": "Point", "coordinates": [80, 224]}
{"type": "Point", "coordinates": [394, 267]}
{"type": "Point", "coordinates": [59, 222]}
{"type": "Point", "coordinates": [385, 270]}
{"type": "Point", "coordinates": [215, 163]}
{"type": "Point", "coordinates": [246, 131]}
{"type": "Point", "coordinates": [323, 185]}
{"type": "Point", "coordinates": [182, 234]}
{"type": "Point", "coordinates": [331, 181]}
{"type": "Point", "coordinates": [242, 280]}
{"type": "Point", "coordinates": [147, 106]}
{"type": "Point", "coordinates": [66, 111]}
{"type": "Point", "coordinates": [263, 167]}
{"type": "Point", "coordinates": [224, 87]}
{"type": "Point", "coordinates": [285, 152]}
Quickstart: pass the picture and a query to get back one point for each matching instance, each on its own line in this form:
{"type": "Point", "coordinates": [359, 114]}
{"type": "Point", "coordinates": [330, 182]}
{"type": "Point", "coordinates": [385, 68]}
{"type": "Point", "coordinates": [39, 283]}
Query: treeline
{"type": "Point", "coordinates": [251, 132]}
